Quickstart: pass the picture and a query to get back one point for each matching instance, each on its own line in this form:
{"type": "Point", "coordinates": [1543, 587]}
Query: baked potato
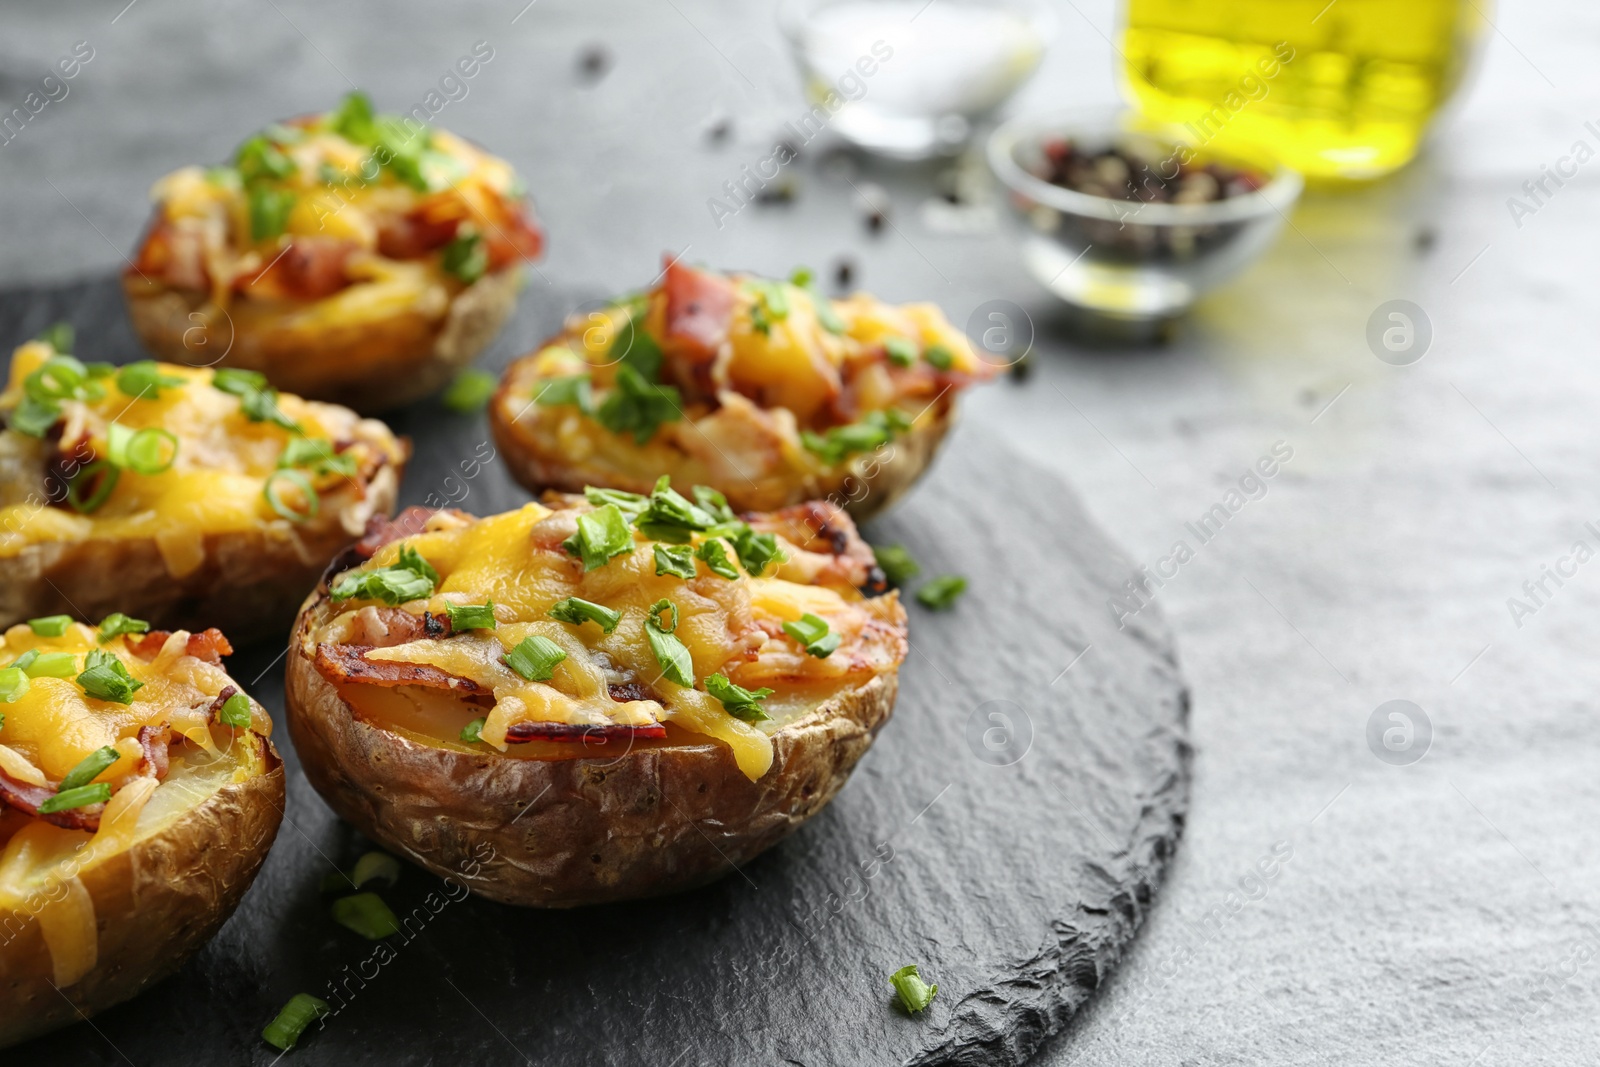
{"type": "Point", "coordinates": [352, 257]}
{"type": "Point", "coordinates": [610, 697]}
{"type": "Point", "coordinates": [767, 391]}
{"type": "Point", "coordinates": [184, 496]}
{"type": "Point", "coordinates": [139, 795]}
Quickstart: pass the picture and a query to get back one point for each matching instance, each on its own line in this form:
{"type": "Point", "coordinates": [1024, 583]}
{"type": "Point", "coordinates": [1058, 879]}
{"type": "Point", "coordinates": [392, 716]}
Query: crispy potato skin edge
{"type": "Point", "coordinates": [369, 367]}
{"type": "Point", "coordinates": [248, 587]}
{"type": "Point", "coordinates": [587, 830]}
{"type": "Point", "coordinates": [850, 487]}
{"type": "Point", "coordinates": [155, 905]}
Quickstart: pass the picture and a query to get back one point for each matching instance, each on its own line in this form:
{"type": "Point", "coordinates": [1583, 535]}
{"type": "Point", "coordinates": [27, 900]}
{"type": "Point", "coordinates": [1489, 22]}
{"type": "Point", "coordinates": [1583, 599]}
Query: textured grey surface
{"type": "Point", "coordinates": [1435, 913]}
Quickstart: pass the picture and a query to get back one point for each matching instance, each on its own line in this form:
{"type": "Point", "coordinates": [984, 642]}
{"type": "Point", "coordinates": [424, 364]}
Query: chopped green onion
{"type": "Point", "coordinates": [535, 658]}
{"type": "Point", "coordinates": [34, 417]}
{"type": "Point", "coordinates": [771, 304]}
{"type": "Point", "coordinates": [13, 684]}
{"type": "Point", "coordinates": [26, 660]}
{"type": "Point", "coordinates": [670, 652]}
{"type": "Point", "coordinates": [144, 381]}
{"type": "Point", "coordinates": [637, 407]}
{"type": "Point", "coordinates": [756, 550]}
{"type": "Point", "coordinates": [914, 993]}
{"type": "Point", "coordinates": [901, 353]}
{"type": "Point", "coordinates": [940, 357]}
{"type": "Point", "coordinates": [469, 392]}
{"type": "Point", "coordinates": [670, 517]}
{"type": "Point", "coordinates": [82, 796]}
{"type": "Point", "coordinates": [89, 768]}
{"type": "Point", "coordinates": [578, 612]}
{"type": "Point", "coordinates": [738, 701]}
{"type": "Point", "coordinates": [875, 429]}
{"type": "Point", "coordinates": [301, 1011]}
{"type": "Point", "coordinates": [353, 118]}
{"type": "Point", "coordinates": [464, 617]}
{"type": "Point", "coordinates": [116, 624]}
{"type": "Point", "coordinates": [827, 317]}
{"type": "Point", "coordinates": [151, 451]}
{"type": "Point", "coordinates": [257, 400]}
{"type": "Point", "coordinates": [376, 867]}
{"type": "Point", "coordinates": [235, 712]}
{"type": "Point", "coordinates": [317, 455]}
{"type": "Point", "coordinates": [105, 677]}
{"type": "Point", "coordinates": [409, 578]}
{"type": "Point", "coordinates": [473, 731]}
{"type": "Point", "coordinates": [714, 504]}
{"type": "Point", "coordinates": [678, 560]}
{"type": "Point", "coordinates": [466, 257]}
{"type": "Point", "coordinates": [59, 336]}
{"type": "Point", "coordinates": [716, 558]}
{"type": "Point", "coordinates": [49, 664]}
{"type": "Point", "coordinates": [940, 593]}
{"type": "Point", "coordinates": [573, 390]}
{"type": "Point", "coordinates": [637, 350]}
{"type": "Point", "coordinates": [603, 534]}
{"type": "Point", "coordinates": [258, 159]}
{"type": "Point", "coordinates": [896, 563]}
{"type": "Point", "coordinates": [813, 635]}
{"type": "Point", "coordinates": [367, 915]}
{"type": "Point", "coordinates": [632, 505]}
{"type": "Point", "coordinates": [269, 211]}
{"type": "Point", "coordinates": [311, 503]}
{"type": "Point", "coordinates": [50, 625]}
{"type": "Point", "coordinates": [92, 486]}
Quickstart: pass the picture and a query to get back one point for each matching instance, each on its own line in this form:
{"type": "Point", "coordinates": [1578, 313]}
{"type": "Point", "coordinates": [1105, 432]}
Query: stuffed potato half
{"type": "Point", "coordinates": [187, 497]}
{"type": "Point", "coordinates": [613, 698]}
{"type": "Point", "coordinates": [350, 256]}
{"type": "Point", "coordinates": [768, 391]}
{"type": "Point", "coordinates": [140, 796]}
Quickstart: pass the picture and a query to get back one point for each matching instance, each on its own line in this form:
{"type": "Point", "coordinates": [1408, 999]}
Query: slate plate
{"type": "Point", "coordinates": [1007, 832]}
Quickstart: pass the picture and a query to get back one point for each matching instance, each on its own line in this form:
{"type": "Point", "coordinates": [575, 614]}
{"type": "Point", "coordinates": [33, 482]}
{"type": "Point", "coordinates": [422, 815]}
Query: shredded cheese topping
{"type": "Point", "coordinates": [217, 480]}
{"type": "Point", "coordinates": [731, 627]}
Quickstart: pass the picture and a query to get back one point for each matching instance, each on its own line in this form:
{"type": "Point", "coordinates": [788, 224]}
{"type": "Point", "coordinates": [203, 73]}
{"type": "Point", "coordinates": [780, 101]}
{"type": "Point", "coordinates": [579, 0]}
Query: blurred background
{"type": "Point", "coordinates": [1436, 908]}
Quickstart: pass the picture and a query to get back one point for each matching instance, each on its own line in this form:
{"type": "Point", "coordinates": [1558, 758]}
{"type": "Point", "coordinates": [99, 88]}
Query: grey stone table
{"type": "Point", "coordinates": [1437, 912]}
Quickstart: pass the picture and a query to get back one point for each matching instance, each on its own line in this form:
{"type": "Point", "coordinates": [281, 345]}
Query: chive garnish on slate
{"type": "Point", "coordinates": [941, 593]}
{"type": "Point", "coordinates": [301, 1011]}
{"type": "Point", "coordinates": [367, 915]}
{"type": "Point", "coordinates": [915, 994]}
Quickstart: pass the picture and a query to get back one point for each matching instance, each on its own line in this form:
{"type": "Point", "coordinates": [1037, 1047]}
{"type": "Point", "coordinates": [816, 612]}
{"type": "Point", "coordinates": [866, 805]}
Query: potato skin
{"type": "Point", "coordinates": [155, 905]}
{"type": "Point", "coordinates": [865, 485]}
{"type": "Point", "coordinates": [586, 830]}
{"type": "Point", "coordinates": [248, 586]}
{"type": "Point", "coordinates": [367, 366]}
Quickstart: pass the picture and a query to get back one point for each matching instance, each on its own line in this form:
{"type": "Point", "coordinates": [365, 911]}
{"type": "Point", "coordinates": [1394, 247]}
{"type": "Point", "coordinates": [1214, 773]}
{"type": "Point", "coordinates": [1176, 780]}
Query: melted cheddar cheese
{"type": "Point", "coordinates": [217, 482]}
{"type": "Point", "coordinates": [516, 562]}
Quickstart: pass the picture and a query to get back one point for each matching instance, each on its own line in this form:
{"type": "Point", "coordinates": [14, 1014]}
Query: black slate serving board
{"type": "Point", "coordinates": [1006, 833]}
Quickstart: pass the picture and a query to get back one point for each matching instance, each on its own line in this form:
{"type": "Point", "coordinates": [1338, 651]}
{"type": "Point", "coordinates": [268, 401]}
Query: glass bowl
{"type": "Point", "coordinates": [1130, 259]}
{"type": "Point", "coordinates": [908, 79]}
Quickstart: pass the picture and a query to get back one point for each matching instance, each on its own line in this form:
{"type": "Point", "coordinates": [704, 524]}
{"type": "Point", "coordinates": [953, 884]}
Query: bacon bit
{"type": "Point", "coordinates": [511, 234]}
{"type": "Point", "coordinates": [154, 741]}
{"type": "Point", "coordinates": [699, 311]}
{"type": "Point", "coordinates": [588, 734]}
{"type": "Point", "coordinates": [172, 255]}
{"type": "Point", "coordinates": [383, 531]}
{"type": "Point", "coordinates": [209, 645]}
{"type": "Point", "coordinates": [629, 691]}
{"type": "Point", "coordinates": [309, 268]}
{"type": "Point", "coordinates": [825, 529]}
{"type": "Point", "coordinates": [426, 228]}
{"type": "Point", "coordinates": [27, 798]}
{"type": "Point", "coordinates": [384, 627]}
{"type": "Point", "coordinates": [348, 663]}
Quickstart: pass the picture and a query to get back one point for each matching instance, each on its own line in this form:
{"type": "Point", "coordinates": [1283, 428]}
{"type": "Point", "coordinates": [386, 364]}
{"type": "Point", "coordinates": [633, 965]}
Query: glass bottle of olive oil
{"type": "Point", "coordinates": [1340, 90]}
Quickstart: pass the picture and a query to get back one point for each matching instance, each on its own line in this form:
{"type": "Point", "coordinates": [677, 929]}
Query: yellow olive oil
{"type": "Point", "coordinates": [1338, 91]}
